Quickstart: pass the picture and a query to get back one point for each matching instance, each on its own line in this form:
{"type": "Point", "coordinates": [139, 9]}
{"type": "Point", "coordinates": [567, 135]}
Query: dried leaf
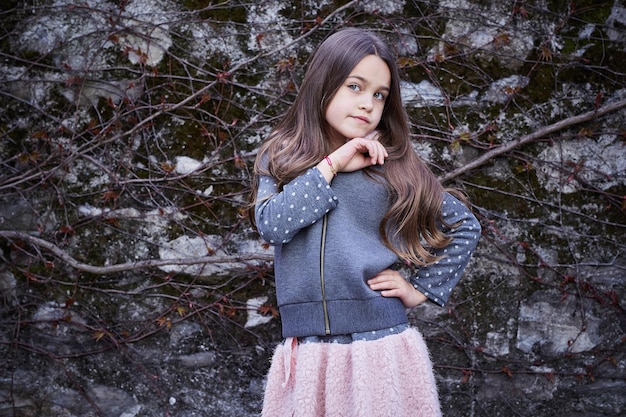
{"type": "Point", "coordinates": [99, 335]}
{"type": "Point", "coordinates": [521, 11]}
{"type": "Point", "coordinates": [286, 64]}
{"type": "Point", "coordinates": [511, 91]}
{"type": "Point", "coordinates": [259, 38]}
{"type": "Point", "coordinates": [110, 195]}
{"type": "Point", "coordinates": [466, 376]}
{"type": "Point", "coordinates": [25, 158]}
{"type": "Point", "coordinates": [164, 321]}
{"type": "Point", "coordinates": [501, 39]}
{"type": "Point", "coordinates": [67, 230]}
{"type": "Point", "coordinates": [239, 162]}
{"type": "Point", "coordinates": [585, 132]}
{"type": "Point", "coordinates": [465, 136]}
{"type": "Point", "coordinates": [73, 80]}
{"type": "Point", "coordinates": [204, 99]}
{"type": "Point", "coordinates": [113, 221]}
{"type": "Point", "coordinates": [167, 167]}
{"type": "Point", "coordinates": [222, 77]}
{"type": "Point", "coordinates": [41, 134]}
{"type": "Point", "coordinates": [545, 54]}
{"type": "Point", "coordinates": [268, 309]}
{"type": "Point", "coordinates": [407, 62]}
{"type": "Point", "coordinates": [598, 101]}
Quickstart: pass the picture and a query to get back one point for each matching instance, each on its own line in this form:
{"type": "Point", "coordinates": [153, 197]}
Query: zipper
{"type": "Point", "coordinates": [323, 284]}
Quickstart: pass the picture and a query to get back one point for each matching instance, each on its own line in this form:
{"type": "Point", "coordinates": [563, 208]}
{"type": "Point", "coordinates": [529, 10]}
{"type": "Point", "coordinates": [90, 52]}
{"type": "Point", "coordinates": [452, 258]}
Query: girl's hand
{"type": "Point", "coordinates": [359, 153]}
{"type": "Point", "coordinates": [391, 284]}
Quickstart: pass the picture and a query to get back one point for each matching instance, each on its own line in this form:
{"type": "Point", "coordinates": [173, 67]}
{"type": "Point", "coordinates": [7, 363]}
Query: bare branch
{"type": "Point", "coordinates": [151, 263]}
{"type": "Point", "coordinates": [570, 121]}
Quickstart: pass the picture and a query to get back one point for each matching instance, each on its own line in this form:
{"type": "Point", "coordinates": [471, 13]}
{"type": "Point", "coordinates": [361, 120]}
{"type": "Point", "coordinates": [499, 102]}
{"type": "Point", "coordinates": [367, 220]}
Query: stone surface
{"type": "Point", "coordinates": [555, 326]}
{"type": "Point", "coordinates": [114, 173]}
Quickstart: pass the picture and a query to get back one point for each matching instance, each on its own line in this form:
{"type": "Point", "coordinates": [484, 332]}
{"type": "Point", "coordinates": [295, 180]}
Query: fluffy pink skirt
{"type": "Point", "coordinates": [391, 376]}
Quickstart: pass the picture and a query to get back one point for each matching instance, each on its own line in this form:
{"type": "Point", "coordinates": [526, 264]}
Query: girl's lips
{"type": "Point", "coordinates": [362, 118]}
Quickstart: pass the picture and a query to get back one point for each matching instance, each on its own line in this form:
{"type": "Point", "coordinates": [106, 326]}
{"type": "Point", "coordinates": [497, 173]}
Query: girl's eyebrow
{"type": "Point", "coordinates": [358, 77]}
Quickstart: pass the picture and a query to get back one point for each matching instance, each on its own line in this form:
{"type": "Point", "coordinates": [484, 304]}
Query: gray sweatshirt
{"type": "Point", "coordinates": [327, 245]}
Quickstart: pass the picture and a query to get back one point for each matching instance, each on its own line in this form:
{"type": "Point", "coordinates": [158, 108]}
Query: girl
{"type": "Point", "coordinates": [343, 197]}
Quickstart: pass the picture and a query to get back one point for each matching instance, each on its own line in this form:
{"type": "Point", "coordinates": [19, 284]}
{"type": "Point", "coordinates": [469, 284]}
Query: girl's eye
{"type": "Point", "coordinates": [354, 87]}
{"type": "Point", "coordinates": [379, 96]}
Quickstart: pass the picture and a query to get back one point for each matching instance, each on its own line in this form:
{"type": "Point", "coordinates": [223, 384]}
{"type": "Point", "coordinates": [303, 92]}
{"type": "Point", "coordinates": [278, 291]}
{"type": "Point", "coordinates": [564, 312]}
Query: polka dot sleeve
{"type": "Point", "coordinates": [280, 214]}
{"type": "Point", "coordinates": [437, 280]}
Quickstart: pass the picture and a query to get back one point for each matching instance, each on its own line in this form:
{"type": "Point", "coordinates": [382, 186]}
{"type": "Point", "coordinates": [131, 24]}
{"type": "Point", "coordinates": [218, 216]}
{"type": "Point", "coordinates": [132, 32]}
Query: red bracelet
{"type": "Point", "coordinates": [330, 164]}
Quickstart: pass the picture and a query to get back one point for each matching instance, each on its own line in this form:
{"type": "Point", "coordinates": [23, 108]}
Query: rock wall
{"type": "Point", "coordinates": [131, 283]}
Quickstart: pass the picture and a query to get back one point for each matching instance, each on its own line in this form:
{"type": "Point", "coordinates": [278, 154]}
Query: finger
{"type": "Point", "coordinates": [382, 282]}
{"type": "Point", "coordinates": [378, 285]}
{"type": "Point", "coordinates": [381, 157]}
{"type": "Point", "coordinates": [381, 153]}
{"type": "Point", "coordinates": [390, 293]}
{"type": "Point", "coordinates": [389, 273]}
{"type": "Point", "coordinates": [376, 152]}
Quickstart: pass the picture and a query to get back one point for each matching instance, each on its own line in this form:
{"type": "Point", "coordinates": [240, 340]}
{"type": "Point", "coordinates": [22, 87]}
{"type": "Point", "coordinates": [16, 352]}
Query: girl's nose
{"type": "Point", "coordinates": [365, 104]}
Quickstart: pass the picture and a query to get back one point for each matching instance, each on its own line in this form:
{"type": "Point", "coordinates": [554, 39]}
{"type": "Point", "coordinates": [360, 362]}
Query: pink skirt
{"type": "Point", "coordinates": [391, 376]}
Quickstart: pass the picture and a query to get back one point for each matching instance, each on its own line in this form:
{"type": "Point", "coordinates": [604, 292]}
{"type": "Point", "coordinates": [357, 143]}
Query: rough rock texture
{"type": "Point", "coordinates": [127, 134]}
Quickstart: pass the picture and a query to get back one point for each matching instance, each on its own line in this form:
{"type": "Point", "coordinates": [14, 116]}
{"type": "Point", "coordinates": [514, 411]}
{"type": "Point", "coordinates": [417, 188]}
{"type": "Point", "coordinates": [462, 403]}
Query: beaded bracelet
{"type": "Point", "coordinates": [330, 164]}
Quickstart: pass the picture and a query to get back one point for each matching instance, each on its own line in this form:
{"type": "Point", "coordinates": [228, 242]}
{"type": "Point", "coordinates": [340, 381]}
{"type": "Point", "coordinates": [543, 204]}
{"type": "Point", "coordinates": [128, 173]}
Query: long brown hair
{"type": "Point", "coordinates": [300, 141]}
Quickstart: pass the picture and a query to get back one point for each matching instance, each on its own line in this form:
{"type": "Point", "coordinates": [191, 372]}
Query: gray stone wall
{"type": "Point", "coordinates": [133, 285]}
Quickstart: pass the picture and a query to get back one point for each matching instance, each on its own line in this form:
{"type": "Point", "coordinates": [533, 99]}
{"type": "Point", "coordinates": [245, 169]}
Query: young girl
{"type": "Point", "coordinates": [343, 197]}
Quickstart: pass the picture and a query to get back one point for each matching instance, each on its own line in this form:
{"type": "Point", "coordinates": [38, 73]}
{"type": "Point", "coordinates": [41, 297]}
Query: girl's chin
{"type": "Point", "coordinates": [348, 135]}
{"type": "Point", "coordinates": [361, 134]}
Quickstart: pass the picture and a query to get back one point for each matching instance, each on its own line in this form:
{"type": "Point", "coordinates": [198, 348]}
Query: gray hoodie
{"type": "Point", "coordinates": [327, 245]}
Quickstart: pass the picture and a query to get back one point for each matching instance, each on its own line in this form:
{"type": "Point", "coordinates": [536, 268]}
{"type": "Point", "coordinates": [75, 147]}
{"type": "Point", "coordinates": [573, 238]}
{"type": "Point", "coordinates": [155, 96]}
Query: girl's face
{"type": "Point", "coordinates": [355, 110]}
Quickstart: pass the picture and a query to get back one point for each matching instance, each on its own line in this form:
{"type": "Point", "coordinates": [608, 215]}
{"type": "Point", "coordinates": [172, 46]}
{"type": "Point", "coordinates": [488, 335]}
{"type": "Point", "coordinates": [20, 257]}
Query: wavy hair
{"type": "Point", "coordinates": [300, 141]}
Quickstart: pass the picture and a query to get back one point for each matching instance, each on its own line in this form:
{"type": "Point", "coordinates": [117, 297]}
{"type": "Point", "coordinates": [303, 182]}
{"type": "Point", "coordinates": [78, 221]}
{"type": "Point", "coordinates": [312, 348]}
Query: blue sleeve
{"type": "Point", "coordinates": [437, 280]}
{"type": "Point", "coordinates": [280, 214]}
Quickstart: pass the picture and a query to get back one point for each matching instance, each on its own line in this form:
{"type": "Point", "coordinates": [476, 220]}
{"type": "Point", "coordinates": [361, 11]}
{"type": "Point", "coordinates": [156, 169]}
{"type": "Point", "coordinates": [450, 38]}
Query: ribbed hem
{"type": "Point", "coordinates": [345, 316]}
